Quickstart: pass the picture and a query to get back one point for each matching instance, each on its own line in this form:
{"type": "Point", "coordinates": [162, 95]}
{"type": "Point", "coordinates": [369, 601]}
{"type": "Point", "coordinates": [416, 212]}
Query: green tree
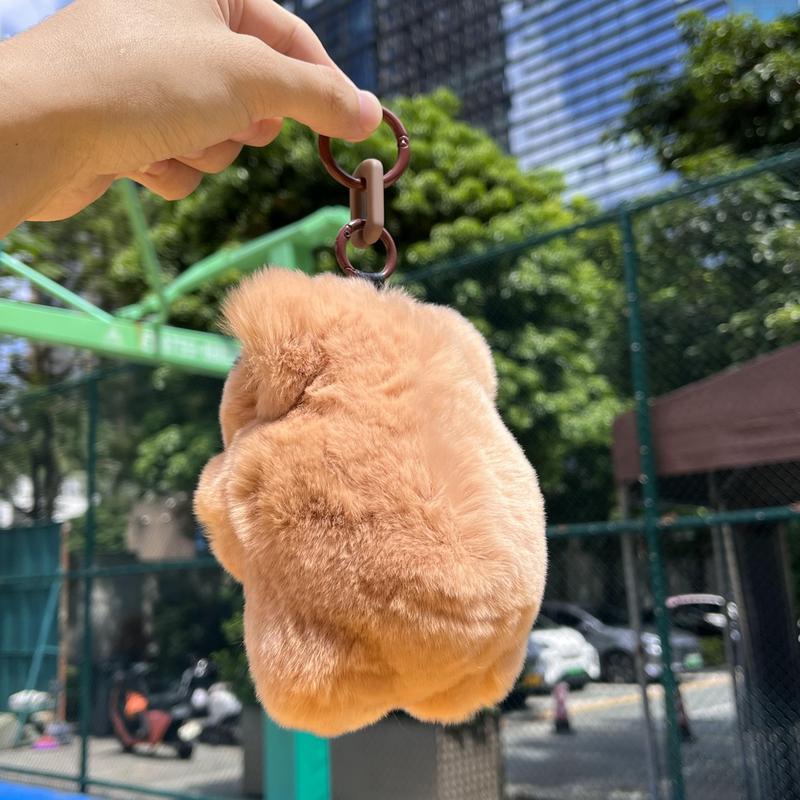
{"type": "Point", "coordinates": [736, 92]}
{"type": "Point", "coordinates": [719, 273]}
{"type": "Point", "coordinates": [44, 442]}
{"type": "Point", "coordinates": [548, 314]}
{"type": "Point", "coordinates": [720, 279]}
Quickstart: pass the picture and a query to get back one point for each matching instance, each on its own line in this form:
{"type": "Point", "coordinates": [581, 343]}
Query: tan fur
{"type": "Point", "coordinates": [387, 528]}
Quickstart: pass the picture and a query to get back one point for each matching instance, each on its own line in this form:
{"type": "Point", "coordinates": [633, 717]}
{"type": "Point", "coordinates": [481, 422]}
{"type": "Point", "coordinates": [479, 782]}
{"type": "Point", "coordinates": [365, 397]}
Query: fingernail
{"type": "Point", "coordinates": [157, 168]}
{"type": "Point", "coordinates": [370, 111]}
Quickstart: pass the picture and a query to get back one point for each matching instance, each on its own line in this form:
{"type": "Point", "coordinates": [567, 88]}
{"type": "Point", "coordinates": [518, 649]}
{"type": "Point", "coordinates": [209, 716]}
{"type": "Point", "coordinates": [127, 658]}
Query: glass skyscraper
{"type": "Point", "coordinates": [347, 29]}
{"type": "Point", "coordinates": [425, 44]}
{"type": "Point", "coordinates": [568, 71]}
{"type": "Point", "coordinates": [405, 48]}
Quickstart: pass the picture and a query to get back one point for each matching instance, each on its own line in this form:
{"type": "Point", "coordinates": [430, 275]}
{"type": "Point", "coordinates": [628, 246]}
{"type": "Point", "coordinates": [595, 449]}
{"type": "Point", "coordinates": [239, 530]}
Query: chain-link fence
{"type": "Point", "coordinates": [649, 364]}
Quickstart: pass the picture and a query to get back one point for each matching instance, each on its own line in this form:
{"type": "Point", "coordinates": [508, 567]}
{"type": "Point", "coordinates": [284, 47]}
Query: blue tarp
{"type": "Point", "coordinates": [13, 791]}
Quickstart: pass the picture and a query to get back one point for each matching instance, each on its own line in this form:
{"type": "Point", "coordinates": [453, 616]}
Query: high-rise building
{"type": "Point", "coordinates": [348, 31]}
{"type": "Point", "coordinates": [404, 48]}
{"type": "Point", "coordinates": [569, 67]}
{"type": "Point", "coordinates": [425, 44]}
{"type": "Point", "coordinates": [547, 78]}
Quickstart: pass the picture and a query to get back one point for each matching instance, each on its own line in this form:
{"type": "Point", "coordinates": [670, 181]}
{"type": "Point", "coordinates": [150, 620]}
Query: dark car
{"type": "Point", "coordinates": [616, 643]}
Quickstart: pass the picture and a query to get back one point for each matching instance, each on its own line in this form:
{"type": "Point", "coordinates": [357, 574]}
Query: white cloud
{"type": "Point", "coordinates": [17, 15]}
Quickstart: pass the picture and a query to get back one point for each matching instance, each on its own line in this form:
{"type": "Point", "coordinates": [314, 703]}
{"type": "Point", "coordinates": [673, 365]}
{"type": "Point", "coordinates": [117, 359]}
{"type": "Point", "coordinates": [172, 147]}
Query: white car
{"type": "Point", "coordinates": [563, 655]}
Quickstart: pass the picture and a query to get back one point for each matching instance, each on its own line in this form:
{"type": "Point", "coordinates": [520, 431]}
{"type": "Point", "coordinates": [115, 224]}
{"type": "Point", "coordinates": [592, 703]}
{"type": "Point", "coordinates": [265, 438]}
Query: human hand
{"type": "Point", "coordinates": [163, 92]}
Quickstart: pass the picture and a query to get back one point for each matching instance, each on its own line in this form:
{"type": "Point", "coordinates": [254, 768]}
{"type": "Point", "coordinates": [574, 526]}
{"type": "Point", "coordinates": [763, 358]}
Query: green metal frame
{"type": "Point", "coordinates": [151, 343]}
{"type": "Point", "coordinates": [137, 332]}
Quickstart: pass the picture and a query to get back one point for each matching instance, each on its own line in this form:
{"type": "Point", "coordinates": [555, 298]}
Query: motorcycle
{"type": "Point", "coordinates": [216, 711]}
{"type": "Point", "coordinates": [141, 717]}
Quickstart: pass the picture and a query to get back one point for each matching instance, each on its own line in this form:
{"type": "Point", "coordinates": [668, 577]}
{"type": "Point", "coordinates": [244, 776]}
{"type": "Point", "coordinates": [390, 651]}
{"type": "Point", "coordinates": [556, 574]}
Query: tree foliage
{"type": "Point", "coordinates": [719, 271]}
{"type": "Point", "coordinates": [548, 314]}
{"type": "Point", "coordinates": [737, 91]}
{"type": "Point", "coordinates": [720, 278]}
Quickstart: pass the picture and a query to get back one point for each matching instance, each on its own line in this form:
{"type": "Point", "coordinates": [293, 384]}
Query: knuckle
{"type": "Point", "coordinates": [215, 162]}
{"type": "Point", "coordinates": [336, 94]}
{"type": "Point", "coordinates": [268, 132]}
{"type": "Point", "coordinates": [295, 32]}
{"type": "Point", "coordinates": [181, 190]}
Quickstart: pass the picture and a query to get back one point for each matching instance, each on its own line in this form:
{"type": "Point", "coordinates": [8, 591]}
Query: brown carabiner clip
{"type": "Point", "coordinates": [351, 181]}
{"type": "Point", "coordinates": [346, 234]}
{"type": "Point", "coordinates": [366, 201]}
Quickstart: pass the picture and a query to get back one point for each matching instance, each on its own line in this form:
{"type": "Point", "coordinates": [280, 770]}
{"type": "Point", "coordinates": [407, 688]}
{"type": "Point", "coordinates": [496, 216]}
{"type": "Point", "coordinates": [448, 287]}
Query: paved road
{"type": "Point", "coordinates": [603, 760]}
{"type": "Point", "coordinates": [605, 757]}
{"type": "Point", "coordinates": [212, 771]}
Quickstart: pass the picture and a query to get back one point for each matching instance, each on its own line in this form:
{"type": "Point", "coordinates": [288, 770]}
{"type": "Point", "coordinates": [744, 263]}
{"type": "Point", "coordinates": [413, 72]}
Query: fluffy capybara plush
{"type": "Point", "coordinates": [387, 528]}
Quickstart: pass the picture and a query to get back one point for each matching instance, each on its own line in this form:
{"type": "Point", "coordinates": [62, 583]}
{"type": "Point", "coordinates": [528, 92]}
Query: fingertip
{"type": "Point", "coordinates": [370, 112]}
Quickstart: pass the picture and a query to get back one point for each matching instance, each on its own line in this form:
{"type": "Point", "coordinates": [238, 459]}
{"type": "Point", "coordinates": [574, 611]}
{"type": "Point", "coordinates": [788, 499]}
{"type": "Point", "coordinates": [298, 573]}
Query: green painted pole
{"type": "Point", "coordinates": [316, 230]}
{"type": "Point", "coordinates": [51, 288]}
{"type": "Point", "coordinates": [638, 357]}
{"type": "Point", "coordinates": [41, 640]}
{"type": "Point", "coordinates": [146, 342]}
{"type": "Point", "coordinates": [92, 405]}
{"type": "Point", "coordinates": [312, 763]}
{"type": "Point", "coordinates": [147, 252]}
{"type": "Point", "coordinates": [297, 765]}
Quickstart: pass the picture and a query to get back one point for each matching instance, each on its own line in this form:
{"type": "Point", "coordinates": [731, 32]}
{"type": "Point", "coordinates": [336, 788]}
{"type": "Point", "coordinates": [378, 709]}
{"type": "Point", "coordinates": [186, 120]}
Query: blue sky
{"type": "Point", "coordinates": [16, 15]}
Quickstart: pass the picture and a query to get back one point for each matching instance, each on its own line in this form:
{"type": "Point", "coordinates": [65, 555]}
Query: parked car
{"type": "Point", "coordinates": [564, 654]}
{"type": "Point", "coordinates": [616, 643]}
{"type": "Point", "coordinates": [555, 653]}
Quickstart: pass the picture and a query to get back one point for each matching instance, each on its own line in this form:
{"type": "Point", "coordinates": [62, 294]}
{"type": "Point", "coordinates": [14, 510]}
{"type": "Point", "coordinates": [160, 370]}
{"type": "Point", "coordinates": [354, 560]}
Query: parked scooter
{"type": "Point", "coordinates": [140, 717]}
{"type": "Point", "coordinates": [221, 714]}
{"type": "Point", "coordinates": [216, 711]}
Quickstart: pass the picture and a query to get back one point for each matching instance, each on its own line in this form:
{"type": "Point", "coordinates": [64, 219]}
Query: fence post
{"type": "Point", "coordinates": [638, 358]}
{"type": "Point", "coordinates": [627, 541]}
{"type": "Point", "coordinates": [88, 564]}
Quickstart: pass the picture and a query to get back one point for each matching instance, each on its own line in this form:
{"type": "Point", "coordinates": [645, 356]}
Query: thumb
{"type": "Point", "coordinates": [323, 97]}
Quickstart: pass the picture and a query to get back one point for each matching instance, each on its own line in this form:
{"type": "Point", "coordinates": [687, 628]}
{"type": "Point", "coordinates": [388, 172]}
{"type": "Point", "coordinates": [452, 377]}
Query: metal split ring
{"type": "Point", "coordinates": [350, 181]}
{"type": "Point", "coordinates": [343, 237]}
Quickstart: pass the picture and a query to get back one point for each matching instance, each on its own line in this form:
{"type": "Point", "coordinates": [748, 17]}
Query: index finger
{"type": "Point", "coordinates": [282, 31]}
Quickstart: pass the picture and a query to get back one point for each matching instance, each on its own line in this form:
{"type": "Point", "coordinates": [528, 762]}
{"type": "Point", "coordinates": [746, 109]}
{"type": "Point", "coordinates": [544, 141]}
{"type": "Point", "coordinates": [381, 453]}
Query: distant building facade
{"type": "Point", "coordinates": [568, 71]}
{"type": "Point", "coordinates": [406, 48]}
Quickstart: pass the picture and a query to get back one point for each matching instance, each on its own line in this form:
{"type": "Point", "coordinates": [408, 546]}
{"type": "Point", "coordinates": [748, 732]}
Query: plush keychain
{"type": "Point", "coordinates": [386, 526]}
